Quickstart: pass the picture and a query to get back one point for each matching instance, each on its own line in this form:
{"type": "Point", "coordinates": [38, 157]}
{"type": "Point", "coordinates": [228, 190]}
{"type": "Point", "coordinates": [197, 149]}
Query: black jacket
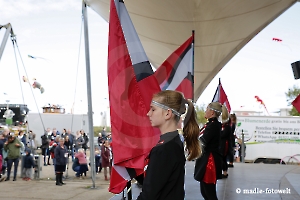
{"type": "Point", "coordinates": [59, 154]}
{"type": "Point", "coordinates": [45, 141]}
{"type": "Point", "coordinates": [166, 170]}
{"type": "Point", "coordinates": [211, 144]}
{"type": "Point", "coordinates": [225, 137]}
{"type": "Point", "coordinates": [232, 136]}
{"type": "Point", "coordinates": [28, 161]}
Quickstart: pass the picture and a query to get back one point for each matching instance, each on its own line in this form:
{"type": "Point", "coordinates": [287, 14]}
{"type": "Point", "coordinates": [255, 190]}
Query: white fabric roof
{"type": "Point", "coordinates": [222, 28]}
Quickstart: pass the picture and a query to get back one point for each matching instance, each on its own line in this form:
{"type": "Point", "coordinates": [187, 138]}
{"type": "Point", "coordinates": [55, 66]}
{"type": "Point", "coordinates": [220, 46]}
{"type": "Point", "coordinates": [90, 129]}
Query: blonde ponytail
{"type": "Point", "coordinates": [225, 115]}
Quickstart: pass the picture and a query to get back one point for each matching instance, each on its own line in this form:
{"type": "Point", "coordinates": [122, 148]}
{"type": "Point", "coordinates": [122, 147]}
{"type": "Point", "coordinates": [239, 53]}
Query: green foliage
{"type": "Point", "coordinates": [200, 110]}
{"type": "Point", "coordinates": [98, 129]}
{"type": "Point", "coordinates": [291, 96]}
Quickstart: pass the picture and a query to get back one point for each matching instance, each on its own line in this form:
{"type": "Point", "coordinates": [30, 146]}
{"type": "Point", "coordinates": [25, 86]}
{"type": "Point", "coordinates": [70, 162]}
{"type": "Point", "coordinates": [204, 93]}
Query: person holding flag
{"type": "Point", "coordinates": [166, 168]}
{"type": "Point", "coordinates": [208, 167]}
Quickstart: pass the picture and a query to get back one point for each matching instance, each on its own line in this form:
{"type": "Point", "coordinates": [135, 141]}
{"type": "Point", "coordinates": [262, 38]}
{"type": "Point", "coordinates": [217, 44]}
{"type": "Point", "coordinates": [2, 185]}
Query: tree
{"type": "Point", "coordinates": [200, 110]}
{"type": "Point", "coordinates": [291, 96]}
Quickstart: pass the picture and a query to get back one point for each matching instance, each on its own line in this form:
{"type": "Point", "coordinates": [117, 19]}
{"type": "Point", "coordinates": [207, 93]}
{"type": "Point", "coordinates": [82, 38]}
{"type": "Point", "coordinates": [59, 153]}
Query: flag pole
{"type": "Point", "coordinates": [89, 93]}
{"type": "Point", "coordinates": [193, 62]}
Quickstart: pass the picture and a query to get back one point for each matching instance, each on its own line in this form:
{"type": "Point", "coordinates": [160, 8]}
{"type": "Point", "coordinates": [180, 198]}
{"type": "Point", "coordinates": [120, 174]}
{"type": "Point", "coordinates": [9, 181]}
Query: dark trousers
{"type": "Point", "coordinates": [98, 164]}
{"type": "Point", "coordinates": [208, 191]}
{"type": "Point", "coordinates": [230, 154]}
{"type": "Point", "coordinates": [9, 165]}
{"type": "Point", "coordinates": [224, 163]}
{"type": "Point", "coordinates": [46, 152]}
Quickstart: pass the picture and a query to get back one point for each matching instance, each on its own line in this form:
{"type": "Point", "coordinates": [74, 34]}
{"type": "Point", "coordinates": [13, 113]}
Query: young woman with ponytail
{"type": "Point", "coordinates": [165, 173]}
{"type": "Point", "coordinates": [225, 146]}
{"type": "Point", "coordinates": [208, 167]}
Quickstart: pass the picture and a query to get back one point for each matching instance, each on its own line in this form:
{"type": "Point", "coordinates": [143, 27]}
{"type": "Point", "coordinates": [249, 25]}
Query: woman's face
{"type": "Point", "coordinates": [156, 115]}
{"type": "Point", "coordinates": [209, 113]}
{"type": "Point", "coordinates": [61, 143]}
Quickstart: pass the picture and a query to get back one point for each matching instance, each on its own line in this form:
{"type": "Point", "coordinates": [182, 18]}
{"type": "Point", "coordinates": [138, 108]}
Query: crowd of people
{"type": "Point", "coordinates": [57, 148]}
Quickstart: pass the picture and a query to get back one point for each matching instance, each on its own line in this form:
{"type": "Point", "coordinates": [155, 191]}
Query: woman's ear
{"type": "Point", "coordinates": [168, 114]}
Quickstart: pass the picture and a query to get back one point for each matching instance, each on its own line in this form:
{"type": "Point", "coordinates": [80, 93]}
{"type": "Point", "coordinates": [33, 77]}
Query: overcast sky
{"type": "Point", "coordinates": [51, 31]}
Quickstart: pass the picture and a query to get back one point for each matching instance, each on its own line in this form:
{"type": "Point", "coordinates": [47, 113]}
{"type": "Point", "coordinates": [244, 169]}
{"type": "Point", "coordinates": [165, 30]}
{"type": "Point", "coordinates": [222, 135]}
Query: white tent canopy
{"type": "Point", "coordinates": [222, 28]}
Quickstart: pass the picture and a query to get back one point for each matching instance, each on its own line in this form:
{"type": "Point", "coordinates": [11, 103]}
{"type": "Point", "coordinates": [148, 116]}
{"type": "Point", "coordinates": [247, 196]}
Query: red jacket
{"type": "Point", "coordinates": [105, 156]}
{"type": "Point", "coordinates": [53, 144]}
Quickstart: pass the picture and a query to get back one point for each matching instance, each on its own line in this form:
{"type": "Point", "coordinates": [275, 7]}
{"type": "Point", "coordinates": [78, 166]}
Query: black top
{"type": "Point", "coordinates": [210, 139]}
{"type": "Point", "coordinates": [45, 141]}
{"type": "Point", "coordinates": [166, 170]}
{"type": "Point", "coordinates": [60, 155]}
{"type": "Point", "coordinates": [232, 136]}
{"type": "Point", "coordinates": [225, 137]}
{"type": "Point", "coordinates": [28, 161]}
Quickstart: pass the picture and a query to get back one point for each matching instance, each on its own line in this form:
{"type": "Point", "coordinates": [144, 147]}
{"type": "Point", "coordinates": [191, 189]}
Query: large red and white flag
{"type": "Point", "coordinates": [177, 71]}
{"type": "Point", "coordinates": [221, 97]}
{"type": "Point", "coordinates": [131, 86]}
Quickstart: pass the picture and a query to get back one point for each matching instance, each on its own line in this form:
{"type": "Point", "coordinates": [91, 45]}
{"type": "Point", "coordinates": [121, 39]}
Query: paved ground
{"type": "Point", "coordinates": [45, 188]}
{"type": "Point", "coordinates": [243, 177]}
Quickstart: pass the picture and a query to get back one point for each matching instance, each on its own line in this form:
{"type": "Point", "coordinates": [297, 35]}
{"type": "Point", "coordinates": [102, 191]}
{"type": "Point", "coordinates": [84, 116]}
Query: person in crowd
{"type": "Point", "coordinates": [166, 168]}
{"type": "Point", "coordinates": [237, 152]}
{"type": "Point", "coordinates": [82, 162]}
{"type": "Point", "coordinates": [53, 144]}
{"type": "Point", "coordinates": [63, 133]}
{"type": "Point", "coordinates": [98, 160]}
{"type": "Point", "coordinates": [109, 138]}
{"type": "Point", "coordinates": [1, 161]}
{"type": "Point", "coordinates": [225, 141]}
{"type": "Point", "coordinates": [240, 144]}
{"type": "Point", "coordinates": [3, 154]}
{"type": "Point", "coordinates": [12, 146]}
{"type": "Point", "coordinates": [60, 154]}
{"type": "Point", "coordinates": [2, 141]}
{"type": "Point", "coordinates": [46, 138]}
{"type": "Point", "coordinates": [31, 141]}
{"type": "Point", "coordinates": [76, 167]}
{"type": "Point", "coordinates": [100, 139]}
{"type": "Point", "coordinates": [86, 140]}
{"type": "Point", "coordinates": [79, 141]}
{"type": "Point", "coordinates": [28, 165]}
{"type": "Point", "coordinates": [68, 145]}
{"type": "Point", "coordinates": [103, 132]}
{"type": "Point", "coordinates": [55, 131]}
{"type": "Point", "coordinates": [232, 140]}
{"type": "Point", "coordinates": [5, 134]}
{"type": "Point", "coordinates": [22, 138]}
{"type": "Point", "coordinates": [208, 167]}
{"type": "Point", "coordinates": [71, 138]}
{"type": "Point", "coordinates": [105, 159]}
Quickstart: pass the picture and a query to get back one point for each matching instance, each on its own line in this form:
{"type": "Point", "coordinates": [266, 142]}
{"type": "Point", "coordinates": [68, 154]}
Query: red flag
{"type": "Point", "coordinates": [131, 86]}
{"type": "Point", "coordinates": [221, 97]}
{"type": "Point", "coordinates": [177, 71]}
{"type": "Point", "coordinates": [296, 103]}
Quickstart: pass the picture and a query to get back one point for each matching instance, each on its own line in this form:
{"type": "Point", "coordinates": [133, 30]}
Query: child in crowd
{"type": "Point", "coordinates": [28, 164]}
{"type": "Point", "coordinates": [82, 161]}
{"type": "Point", "coordinates": [98, 160]}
